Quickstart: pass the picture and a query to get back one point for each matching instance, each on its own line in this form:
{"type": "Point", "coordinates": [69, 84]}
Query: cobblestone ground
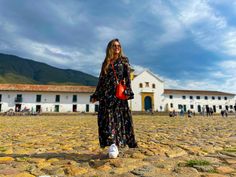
{"type": "Point", "coordinates": [68, 146]}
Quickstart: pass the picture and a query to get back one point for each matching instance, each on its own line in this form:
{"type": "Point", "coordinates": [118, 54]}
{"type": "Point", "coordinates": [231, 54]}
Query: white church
{"type": "Point", "coordinates": [149, 91]}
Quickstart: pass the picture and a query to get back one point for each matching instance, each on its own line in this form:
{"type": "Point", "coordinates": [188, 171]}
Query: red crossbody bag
{"type": "Point", "coordinates": [120, 86]}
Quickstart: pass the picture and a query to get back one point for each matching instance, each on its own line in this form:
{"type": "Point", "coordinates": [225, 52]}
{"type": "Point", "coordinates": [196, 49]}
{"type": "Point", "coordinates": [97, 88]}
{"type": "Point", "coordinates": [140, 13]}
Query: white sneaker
{"type": "Point", "coordinates": [113, 151]}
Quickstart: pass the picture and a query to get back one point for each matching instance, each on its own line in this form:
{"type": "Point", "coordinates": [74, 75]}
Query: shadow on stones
{"type": "Point", "coordinates": [79, 158]}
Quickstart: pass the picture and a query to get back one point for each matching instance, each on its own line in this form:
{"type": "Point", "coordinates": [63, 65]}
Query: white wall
{"type": "Point", "coordinates": [178, 99]}
{"type": "Point", "coordinates": [146, 76]}
{"type": "Point", "coordinates": [47, 101]}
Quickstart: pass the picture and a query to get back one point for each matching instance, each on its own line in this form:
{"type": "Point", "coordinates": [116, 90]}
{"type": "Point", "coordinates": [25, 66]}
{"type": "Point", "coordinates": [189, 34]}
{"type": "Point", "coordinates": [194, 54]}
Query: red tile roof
{"type": "Point", "coordinates": [197, 92]}
{"type": "Point", "coordinates": [47, 88]}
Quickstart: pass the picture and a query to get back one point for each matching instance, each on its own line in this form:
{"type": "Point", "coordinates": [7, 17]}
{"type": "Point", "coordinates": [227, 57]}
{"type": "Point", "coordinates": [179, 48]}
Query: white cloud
{"type": "Point", "coordinates": [199, 11]}
{"type": "Point", "coordinates": [228, 65]}
{"type": "Point", "coordinates": [68, 12]}
{"type": "Point", "coordinates": [228, 85]}
{"type": "Point", "coordinates": [228, 70]}
{"type": "Point", "coordinates": [138, 69]}
{"type": "Point", "coordinates": [173, 30]}
{"type": "Point", "coordinates": [61, 57]}
{"type": "Point", "coordinates": [222, 78]}
{"type": "Point", "coordinates": [218, 74]}
{"type": "Point", "coordinates": [209, 29]}
{"type": "Point", "coordinates": [7, 26]}
{"type": "Point", "coordinates": [106, 33]}
{"type": "Point", "coordinates": [229, 42]}
{"type": "Point", "coordinates": [222, 2]}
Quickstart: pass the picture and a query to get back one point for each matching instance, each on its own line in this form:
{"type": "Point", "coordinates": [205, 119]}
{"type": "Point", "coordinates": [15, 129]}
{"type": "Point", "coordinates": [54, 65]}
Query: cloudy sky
{"type": "Point", "coordinates": [190, 44]}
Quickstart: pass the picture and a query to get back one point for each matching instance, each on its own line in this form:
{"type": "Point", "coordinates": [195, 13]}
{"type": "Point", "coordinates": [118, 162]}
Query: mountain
{"type": "Point", "coordinates": [14, 69]}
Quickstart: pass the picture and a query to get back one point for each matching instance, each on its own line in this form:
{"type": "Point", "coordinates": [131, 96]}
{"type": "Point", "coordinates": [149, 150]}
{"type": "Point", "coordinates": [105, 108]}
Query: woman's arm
{"type": "Point", "coordinates": [127, 69]}
{"type": "Point", "coordinates": [96, 96]}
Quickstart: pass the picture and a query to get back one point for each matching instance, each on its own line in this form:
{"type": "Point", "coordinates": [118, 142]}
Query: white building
{"type": "Point", "coordinates": [148, 89]}
{"type": "Point", "coordinates": [198, 100]}
{"type": "Point", "coordinates": [46, 98]}
{"type": "Point", "coordinates": [150, 94]}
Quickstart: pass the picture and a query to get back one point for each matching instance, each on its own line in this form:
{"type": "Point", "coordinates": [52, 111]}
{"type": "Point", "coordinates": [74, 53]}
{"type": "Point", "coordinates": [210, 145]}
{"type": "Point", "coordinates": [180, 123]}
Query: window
{"type": "Point", "coordinates": [199, 109]}
{"type": "Point", "coordinates": [57, 98]}
{"type": "Point", "coordinates": [219, 98]}
{"type": "Point", "coordinates": [0, 97]}
{"type": "Point", "coordinates": [184, 108]}
{"type": "Point", "coordinates": [38, 108]}
{"type": "Point", "coordinates": [213, 97]}
{"type": "Point", "coordinates": [74, 108]}
{"type": "Point", "coordinates": [220, 107]}
{"type": "Point", "coordinates": [206, 98]}
{"type": "Point", "coordinates": [74, 98]}
{"type": "Point", "coordinates": [153, 86]}
{"type": "Point", "coordinates": [146, 84]}
{"type": "Point", "coordinates": [140, 85]}
{"type": "Point", "coordinates": [56, 108]}
{"type": "Point", "coordinates": [38, 98]}
{"type": "Point", "coordinates": [231, 106]}
{"type": "Point", "coordinates": [180, 106]}
{"type": "Point", "coordinates": [18, 98]}
{"type": "Point", "coordinates": [191, 106]}
{"type": "Point", "coordinates": [87, 107]}
{"type": "Point", "coordinates": [184, 97]}
{"type": "Point", "coordinates": [171, 96]}
{"type": "Point", "coordinates": [198, 97]}
{"type": "Point", "coordinates": [171, 105]}
{"type": "Point", "coordinates": [225, 98]}
{"type": "Point", "coordinates": [191, 97]}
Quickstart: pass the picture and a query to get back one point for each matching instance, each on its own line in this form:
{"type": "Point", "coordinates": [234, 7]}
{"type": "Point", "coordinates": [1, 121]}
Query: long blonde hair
{"type": "Point", "coordinates": [109, 55]}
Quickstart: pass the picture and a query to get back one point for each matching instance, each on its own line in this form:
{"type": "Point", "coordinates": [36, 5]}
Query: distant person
{"type": "Point", "coordinates": [151, 111]}
{"type": "Point", "coordinates": [222, 113]}
{"type": "Point", "coordinates": [181, 112]}
{"type": "Point", "coordinates": [207, 111]}
{"type": "Point", "coordinates": [226, 113]}
{"type": "Point", "coordinates": [172, 113]}
{"type": "Point", "coordinates": [189, 113]}
{"type": "Point", "coordinates": [211, 111]}
{"type": "Point", "coordinates": [203, 111]}
{"type": "Point", "coordinates": [235, 109]}
{"type": "Point", "coordinates": [115, 123]}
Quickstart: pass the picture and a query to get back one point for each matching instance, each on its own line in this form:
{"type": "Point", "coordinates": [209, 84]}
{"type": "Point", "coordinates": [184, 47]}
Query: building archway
{"type": "Point", "coordinates": [147, 103]}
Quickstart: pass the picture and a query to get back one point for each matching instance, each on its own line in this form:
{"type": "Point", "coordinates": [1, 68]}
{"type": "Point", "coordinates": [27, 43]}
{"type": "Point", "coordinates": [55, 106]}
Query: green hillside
{"type": "Point", "coordinates": [14, 69]}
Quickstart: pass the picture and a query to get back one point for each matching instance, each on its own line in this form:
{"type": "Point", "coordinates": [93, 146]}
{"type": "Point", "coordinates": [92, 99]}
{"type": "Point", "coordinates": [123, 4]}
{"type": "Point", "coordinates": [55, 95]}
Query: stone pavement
{"type": "Point", "coordinates": [68, 146]}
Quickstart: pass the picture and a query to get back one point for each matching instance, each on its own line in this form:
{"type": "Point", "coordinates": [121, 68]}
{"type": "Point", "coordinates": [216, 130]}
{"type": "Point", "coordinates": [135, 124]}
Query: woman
{"type": "Point", "coordinates": [115, 123]}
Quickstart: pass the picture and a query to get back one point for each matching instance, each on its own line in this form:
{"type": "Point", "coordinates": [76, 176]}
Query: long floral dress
{"type": "Point", "coordinates": [115, 123]}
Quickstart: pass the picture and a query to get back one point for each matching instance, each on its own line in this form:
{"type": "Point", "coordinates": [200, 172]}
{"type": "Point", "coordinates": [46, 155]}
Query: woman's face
{"type": "Point", "coordinates": [116, 47]}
